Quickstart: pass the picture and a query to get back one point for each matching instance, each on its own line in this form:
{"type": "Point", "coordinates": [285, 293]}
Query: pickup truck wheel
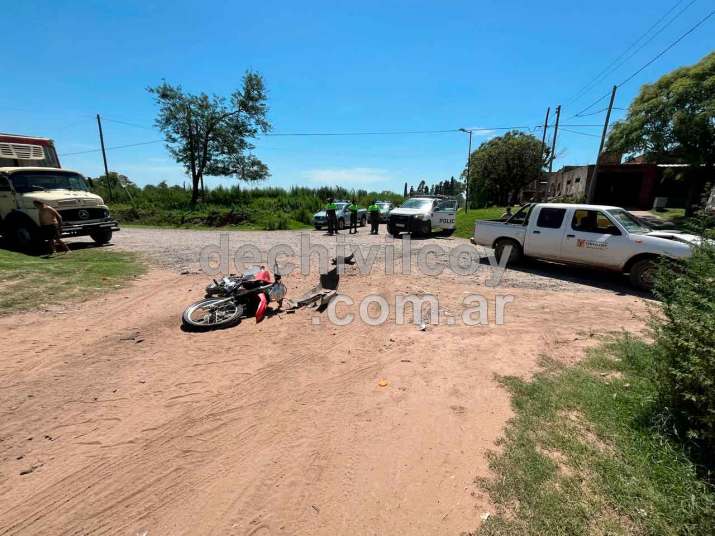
{"type": "Point", "coordinates": [426, 229]}
{"type": "Point", "coordinates": [341, 224]}
{"type": "Point", "coordinates": [516, 253]}
{"type": "Point", "coordinates": [102, 236]}
{"type": "Point", "coordinates": [642, 274]}
{"type": "Point", "coordinates": [363, 221]}
{"type": "Point", "coordinates": [448, 232]}
{"type": "Point", "coordinates": [318, 227]}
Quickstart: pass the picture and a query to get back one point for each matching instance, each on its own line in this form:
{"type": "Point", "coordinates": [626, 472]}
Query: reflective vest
{"type": "Point", "coordinates": [331, 206]}
{"type": "Point", "coordinates": [373, 208]}
{"type": "Point", "coordinates": [353, 208]}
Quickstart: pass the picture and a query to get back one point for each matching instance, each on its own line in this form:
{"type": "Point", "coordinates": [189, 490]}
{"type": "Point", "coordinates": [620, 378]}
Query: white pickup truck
{"type": "Point", "coordinates": [594, 235]}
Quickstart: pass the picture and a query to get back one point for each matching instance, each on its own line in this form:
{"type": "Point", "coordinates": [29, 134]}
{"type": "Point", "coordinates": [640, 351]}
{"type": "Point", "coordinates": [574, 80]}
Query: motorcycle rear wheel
{"type": "Point", "coordinates": [212, 313]}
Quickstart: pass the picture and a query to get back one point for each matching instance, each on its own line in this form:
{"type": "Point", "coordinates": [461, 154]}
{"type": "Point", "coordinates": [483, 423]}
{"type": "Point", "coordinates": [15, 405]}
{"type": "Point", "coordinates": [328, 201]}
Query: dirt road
{"type": "Point", "coordinates": [113, 421]}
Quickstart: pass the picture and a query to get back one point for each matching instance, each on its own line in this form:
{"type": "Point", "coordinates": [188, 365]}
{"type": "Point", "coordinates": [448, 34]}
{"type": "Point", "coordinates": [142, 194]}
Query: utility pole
{"type": "Point", "coordinates": [594, 175]}
{"type": "Point", "coordinates": [543, 148]}
{"type": "Point", "coordinates": [553, 142]}
{"type": "Point", "coordinates": [469, 161]}
{"type": "Point", "coordinates": [104, 157]}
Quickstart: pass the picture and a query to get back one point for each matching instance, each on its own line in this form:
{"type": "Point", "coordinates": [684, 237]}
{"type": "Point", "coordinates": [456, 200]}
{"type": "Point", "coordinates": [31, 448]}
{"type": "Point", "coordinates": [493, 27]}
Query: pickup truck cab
{"type": "Point", "coordinates": [422, 215]}
{"type": "Point", "coordinates": [83, 213]}
{"type": "Point", "coordinates": [601, 236]}
{"type": "Point", "coordinates": [320, 218]}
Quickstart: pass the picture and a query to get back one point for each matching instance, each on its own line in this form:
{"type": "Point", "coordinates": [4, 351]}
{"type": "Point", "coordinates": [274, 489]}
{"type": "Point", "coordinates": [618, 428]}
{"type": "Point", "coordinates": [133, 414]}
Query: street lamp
{"type": "Point", "coordinates": [469, 160]}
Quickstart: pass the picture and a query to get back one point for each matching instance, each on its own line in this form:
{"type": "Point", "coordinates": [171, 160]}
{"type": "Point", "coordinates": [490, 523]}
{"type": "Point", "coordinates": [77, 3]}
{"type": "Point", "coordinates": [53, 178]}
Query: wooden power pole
{"type": "Point", "coordinates": [594, 175]}
{"type": "Point", "coordinates": [543, 148]}
{"type": "Point", "coordinates": [553, 142]}
{"type": "Point", "coordinates": [104, 157]}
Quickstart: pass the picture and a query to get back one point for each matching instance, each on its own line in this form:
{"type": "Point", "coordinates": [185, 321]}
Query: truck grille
{"type": "Point", "coordinates": [84, 214]}
{"type": "Point", "coordinates": [396, 219]}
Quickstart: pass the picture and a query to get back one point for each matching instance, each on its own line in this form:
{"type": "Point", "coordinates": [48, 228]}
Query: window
{"type": "Point", "coordinates": [629, 221]}
{"type": "Point", "coordinates": [550, 218]}
{"type": "Point", "coordinates": [4, 185]}
{"type": "Point", "coordinates": [593, 221]}
{"type": "Point", "coordinates": [30, 181]}
{"type": "Point", "coordinates": [521, 216]}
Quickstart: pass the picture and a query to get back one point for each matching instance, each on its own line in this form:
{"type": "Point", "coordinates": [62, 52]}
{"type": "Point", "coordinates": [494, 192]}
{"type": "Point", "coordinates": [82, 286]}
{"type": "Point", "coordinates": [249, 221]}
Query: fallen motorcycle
{"type": "Point", "coordinates": [233, 298]}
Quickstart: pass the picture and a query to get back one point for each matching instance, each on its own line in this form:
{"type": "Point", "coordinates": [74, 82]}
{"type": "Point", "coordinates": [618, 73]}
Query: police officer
{"type": "Point", "coordinates": [374, 213]}
{"type": "Point", "coordinates": [332, 217]}
{"type": "Point", "coordinates": [353, 209]}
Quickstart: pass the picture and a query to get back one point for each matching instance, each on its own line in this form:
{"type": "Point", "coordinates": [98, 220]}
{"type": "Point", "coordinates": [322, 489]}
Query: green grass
{"type": "Point", "coordinates": [669, 214]}
{"type": "Point", "coordinates": [583, 455]}
{"type": "Point", "coordinates": [28, 282]}
{"type": "Point", "coordinates": [465, 222]}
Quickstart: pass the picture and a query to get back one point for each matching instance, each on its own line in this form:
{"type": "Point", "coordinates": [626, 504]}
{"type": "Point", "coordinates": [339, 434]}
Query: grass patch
{"type": "Point", "coordinates": [465, 222]}
{"type": "Point", "coordinates": [27, 281]}
{"type": "Point", "coordinates": [669, 214]}
{"type": "Point", "coordinates": [584, 455]}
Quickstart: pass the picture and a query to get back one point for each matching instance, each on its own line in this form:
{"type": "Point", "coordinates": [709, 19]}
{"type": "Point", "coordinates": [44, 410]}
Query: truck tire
{"type": "Point", "coordinates": [102, 236]}
{"type": "Point", "coordinates": [448, 232]}
{"type": "Point", "coordinates": [341, 224]}
{"type": "Point", "coordinates": [426, 229]}
{"type": "Point", "coordinates": [24, 235]}
{"type": "Point", "coordinates": [642, 274]}
{"type": "Point", "coordinates": [363, 221]}
{"type": "Point", "coordinates": [516, 254]}
{"type": "Point", "coordinates": [318, 227]}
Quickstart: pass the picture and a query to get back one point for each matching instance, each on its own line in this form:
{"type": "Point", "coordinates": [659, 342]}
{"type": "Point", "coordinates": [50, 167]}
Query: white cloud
{"type": "Point", "coordinates": [348, 177]}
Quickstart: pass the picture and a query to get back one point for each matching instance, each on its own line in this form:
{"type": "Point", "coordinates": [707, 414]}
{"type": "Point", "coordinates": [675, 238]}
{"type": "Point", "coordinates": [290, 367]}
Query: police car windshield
{"type": "Point", "coordinates": [417, 203]}
{"type": "Point", "coordinates": [341, 206]}
{"type": "Point", "coordinates": [33, 181]}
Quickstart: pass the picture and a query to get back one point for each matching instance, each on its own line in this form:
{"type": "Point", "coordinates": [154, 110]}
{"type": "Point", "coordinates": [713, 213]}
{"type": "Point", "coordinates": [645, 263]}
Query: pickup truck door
{"type": "Point", "coordinates": [444, 214]}
{"type": "Point", "coordinates": [593, 238]}
{"type": "Point", "coordinates": [545, 233]}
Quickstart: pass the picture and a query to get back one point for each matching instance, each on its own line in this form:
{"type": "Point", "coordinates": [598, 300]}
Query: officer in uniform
{"type": "Point", "coordinates": [330, 209]}
{"type": "Point", "coordinates": [353, 209]}
{"type": "Point", "coordinates": [374, 213]}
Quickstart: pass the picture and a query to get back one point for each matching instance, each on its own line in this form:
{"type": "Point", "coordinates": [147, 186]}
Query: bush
{"type": "Point", "coordinates": [685, 343]}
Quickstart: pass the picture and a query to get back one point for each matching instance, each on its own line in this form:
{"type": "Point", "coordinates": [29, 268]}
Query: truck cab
{"type": "Point", "coordinates": [83, 213]}
{"type": "Point", "coordinates": [422, 215]}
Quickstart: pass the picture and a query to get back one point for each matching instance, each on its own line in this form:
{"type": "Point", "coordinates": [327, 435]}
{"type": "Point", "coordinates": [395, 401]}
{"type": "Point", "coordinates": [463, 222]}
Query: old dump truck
{"type": "Point", "coordinates": [30, 170]}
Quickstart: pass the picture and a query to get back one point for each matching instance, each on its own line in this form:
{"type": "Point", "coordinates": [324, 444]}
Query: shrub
{"type": "Point", "coordinates": [685, 343]}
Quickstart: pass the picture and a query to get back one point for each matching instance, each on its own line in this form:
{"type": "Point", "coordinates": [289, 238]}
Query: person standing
{"type": "Point", "coordinates": [374, 212]}
{"type": "Point", "coordinates": [332, 217]}
{"type": "Point", "coordinates": [50, 227]}
{"type": "Point", "coordinates": [353, 209]}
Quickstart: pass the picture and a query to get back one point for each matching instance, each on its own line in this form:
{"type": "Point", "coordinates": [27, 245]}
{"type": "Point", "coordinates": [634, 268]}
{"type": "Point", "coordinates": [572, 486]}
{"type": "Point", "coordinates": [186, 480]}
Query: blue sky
{"type": "Point", "coordinates": [331, 67]}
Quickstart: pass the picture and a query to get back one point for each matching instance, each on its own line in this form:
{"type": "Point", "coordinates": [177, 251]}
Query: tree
{"type": "Point", "coordinates": [672, 118]}
{"type": "Point", "coordinates": [502, 166]}
{"type": "Point", "coordinates": [210, 135]}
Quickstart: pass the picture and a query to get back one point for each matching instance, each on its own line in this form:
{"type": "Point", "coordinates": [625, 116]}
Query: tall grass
{"type": "Point", "coordinates": [266, 208]}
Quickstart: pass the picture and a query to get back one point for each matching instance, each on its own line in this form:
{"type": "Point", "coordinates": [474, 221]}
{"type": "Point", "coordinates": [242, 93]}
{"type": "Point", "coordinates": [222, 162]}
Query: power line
{"type": "Point", "coordinates": [114, 147]}
{"type": "Point", "coordinates": [622, 58]}
{"type": "Point", "coordinates": [580, 133]}
{"type": "Point", "coordinates": [656, 57]}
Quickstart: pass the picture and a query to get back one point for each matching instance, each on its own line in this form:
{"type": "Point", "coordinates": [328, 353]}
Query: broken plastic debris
{"type": "Point", "coordinates": [383, 383]}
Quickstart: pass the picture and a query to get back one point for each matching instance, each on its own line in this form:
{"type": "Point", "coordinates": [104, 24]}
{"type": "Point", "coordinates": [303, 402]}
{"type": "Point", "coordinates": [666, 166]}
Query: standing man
{"type": "Point", "coordinates": [353, 209]}
{"type": "Point", "coordinates": [374, 213]}
{"type": "Point", "coordinates": [332, 217]}
{"type": "Point", "coordinates": [50, 226]}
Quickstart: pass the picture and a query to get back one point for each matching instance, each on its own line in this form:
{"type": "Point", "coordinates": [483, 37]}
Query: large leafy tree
{"type": "Point", "coordinates": [211, 135]}
{"type": "Point", "coordinates": [674, 117]}
{"type": "Point", "coordinates": [500, 167]}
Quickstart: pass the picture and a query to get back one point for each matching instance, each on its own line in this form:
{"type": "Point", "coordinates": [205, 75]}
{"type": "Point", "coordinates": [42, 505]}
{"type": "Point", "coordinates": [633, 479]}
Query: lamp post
{"type": "Point", "coordinates": [469, 160]}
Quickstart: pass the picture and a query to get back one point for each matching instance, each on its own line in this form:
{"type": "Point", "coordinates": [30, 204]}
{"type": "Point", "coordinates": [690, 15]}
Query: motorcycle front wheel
{"type": "Point", "coordinates": [211, 313]}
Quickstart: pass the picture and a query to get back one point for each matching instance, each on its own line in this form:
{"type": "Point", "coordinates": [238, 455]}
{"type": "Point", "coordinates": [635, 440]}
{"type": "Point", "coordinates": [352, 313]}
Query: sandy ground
{"type": "Point", "coordinates": [114, 421]}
